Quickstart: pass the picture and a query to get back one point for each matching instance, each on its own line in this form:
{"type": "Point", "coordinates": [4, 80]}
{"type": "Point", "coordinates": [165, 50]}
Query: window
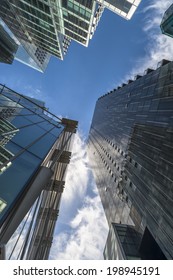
{"type": "Point", "coordinates": [88, 14]}
{"type": "Point", "coordinates": [3, 204]}
{"type": "Point", "coordinates": [136, 164]}
{"type": "Point", "coordinates": [65, 13]}
{"type": "Point", "coordinates": [70, 4]}
{"type": "Point", "coordinates": [82, 11]}
{"type": "Point", "coordinates": [44, 24]}
{"type": "Point", "coordinates": [76, 8]}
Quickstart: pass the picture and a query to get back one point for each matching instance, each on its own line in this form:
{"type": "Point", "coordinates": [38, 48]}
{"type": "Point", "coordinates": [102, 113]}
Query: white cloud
{"type": "Point", "coordinates": [33, 92]}
{"type": "Point", "coordinates": [86, 239]}
{"type": "Point", "coordinates": [78, 176]}
{"type": "Point", "coordinates": [81, 210]}
{"type": "Point", "coordinates": [14, 245]}
{"type": "Point", "coordinates": [78, 172]}
{"type": "Point", "coordinates": [160, 46]}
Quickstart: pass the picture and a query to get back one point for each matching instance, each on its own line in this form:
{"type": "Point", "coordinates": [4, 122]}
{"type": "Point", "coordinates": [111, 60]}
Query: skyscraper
{"type": "Point", "coordinates": [46, 28]}
{"type": "Point", "coordinates": [8, 47]}
{"type": "Point", "coordinates": [124, 8]}
{"type": "Point", "coordinates": [130, 150]}
{"type": "Point", "coordinates": [36, 148]}
{"type": "Point", "coordinates": [167, 22]}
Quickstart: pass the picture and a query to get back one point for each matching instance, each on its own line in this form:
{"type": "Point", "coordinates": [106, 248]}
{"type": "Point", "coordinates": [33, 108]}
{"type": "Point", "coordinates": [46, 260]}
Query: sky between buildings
{"type": "Point", "coordinates": [119, 50]}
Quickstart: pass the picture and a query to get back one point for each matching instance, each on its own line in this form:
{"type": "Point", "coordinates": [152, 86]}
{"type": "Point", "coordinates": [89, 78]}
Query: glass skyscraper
{"type": "Point", "coordinates": [167, 22]}
{"type": "Point", "coordinates": [130, 150]}
{"type": "Point", "coordinates": [124, 8]}
{"type": "Point", "coordinates": [8, 47]}
{"type": "Point", "coordinates": [46, 28]}
{"type": "Point", "coordinates": [35, 149]}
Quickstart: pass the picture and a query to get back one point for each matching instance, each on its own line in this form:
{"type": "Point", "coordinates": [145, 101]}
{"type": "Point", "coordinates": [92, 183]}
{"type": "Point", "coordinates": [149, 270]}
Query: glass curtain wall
{"type": "Point", "coordinates": [27, 134]}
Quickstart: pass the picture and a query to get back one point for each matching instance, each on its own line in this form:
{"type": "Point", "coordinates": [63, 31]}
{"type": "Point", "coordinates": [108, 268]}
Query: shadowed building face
{"type": "Point", "coordinates": [130, 151]}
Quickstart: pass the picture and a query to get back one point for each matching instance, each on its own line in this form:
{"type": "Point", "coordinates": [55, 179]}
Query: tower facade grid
{"type": "Point", "coordinates": [130, 152]}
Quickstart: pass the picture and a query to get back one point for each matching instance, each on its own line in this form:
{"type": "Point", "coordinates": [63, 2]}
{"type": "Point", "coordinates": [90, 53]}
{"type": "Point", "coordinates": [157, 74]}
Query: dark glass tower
{"type": "Point", "coordinates": [8, 47]}
{"type": "Point", "coordinates": [35, 149]}
{"type": "Point", "coordinates": [131, 154]}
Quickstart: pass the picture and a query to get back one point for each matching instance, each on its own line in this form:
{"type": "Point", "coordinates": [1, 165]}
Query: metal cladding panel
{"type": "Point", "coordinates": [21, 208]}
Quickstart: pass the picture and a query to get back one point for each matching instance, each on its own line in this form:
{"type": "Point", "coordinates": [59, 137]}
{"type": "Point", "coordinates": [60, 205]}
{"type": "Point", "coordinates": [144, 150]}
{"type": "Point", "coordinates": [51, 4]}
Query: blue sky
{"type": "Point", "coordinates": [71, 87]}
{"type": "Point", "coordinates": [119, 50]}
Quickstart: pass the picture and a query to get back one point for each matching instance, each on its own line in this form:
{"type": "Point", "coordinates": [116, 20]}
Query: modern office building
{"type": "Point", "coordinates": [131, 154]}
{"type": "Point", "coordinates": [167, 22]}
{"type": "Point", "coordinates": [7, 132]}
{"type": "Point", "coordinates": [8, 47]}
{"type": "Point", "coordinates": [36, 148]}
{"type": "Point", "coordinates": [124, 8]}
{"type": "Point", "coordinates": [46, 28]}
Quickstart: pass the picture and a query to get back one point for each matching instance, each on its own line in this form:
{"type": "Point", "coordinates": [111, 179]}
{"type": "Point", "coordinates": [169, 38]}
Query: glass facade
{"type": "Point", "coordinates": [35, 150]}
{"type": "Point", "coordinates": [78, 19]}
{"type": "Point", "coordinates": [167, 22]}
{"type": "Point", "coordinates": [130, 153]}
{"type": "Point", "coordinates": [46, 28]}
{"type": "Point", "coordinates": [24, 55]}
{"type": "Point", "coordinates": [124, 8]}
{"type": "Point", "coordinates": [27, 135]}
{"type": "Point", "coordinates": [122, 243]}
{"type": "Point", "coordinates": [8, 47]}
